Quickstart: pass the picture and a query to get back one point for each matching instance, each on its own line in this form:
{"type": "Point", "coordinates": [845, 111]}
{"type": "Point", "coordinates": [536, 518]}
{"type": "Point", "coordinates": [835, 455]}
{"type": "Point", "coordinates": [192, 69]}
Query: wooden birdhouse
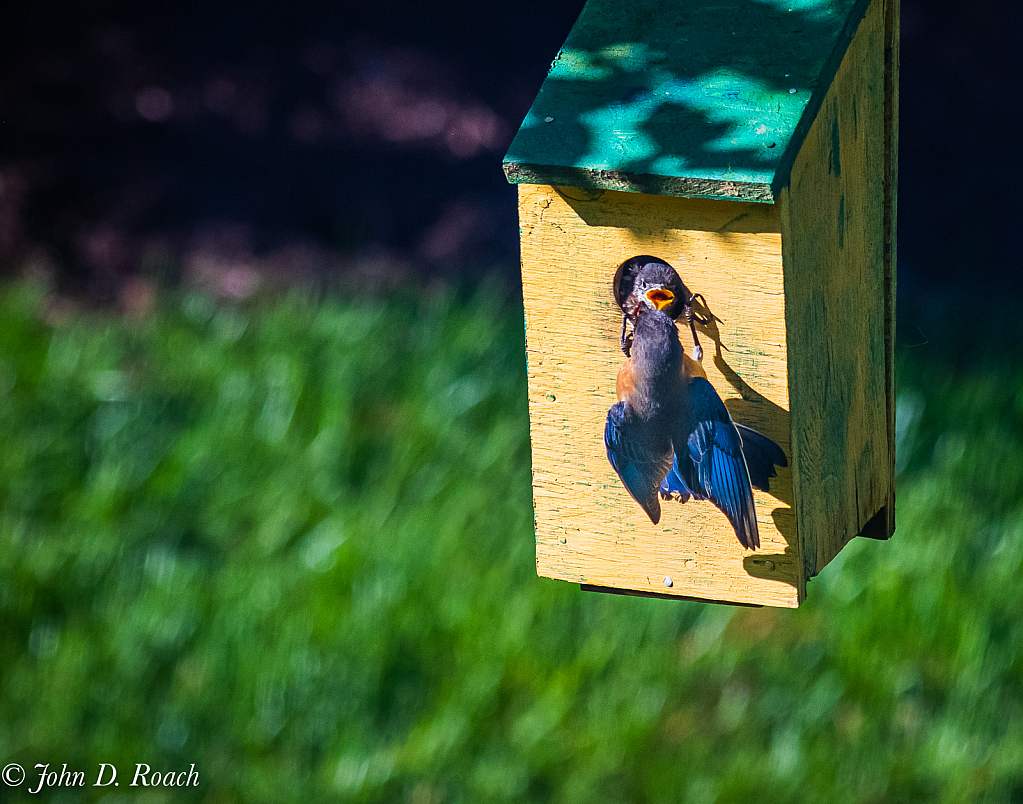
{"type": "Point", "coordinates": [750, 144]}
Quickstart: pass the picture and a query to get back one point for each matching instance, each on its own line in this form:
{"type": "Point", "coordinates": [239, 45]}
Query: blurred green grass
{"type": "Point", "coordinates": [291, 541]}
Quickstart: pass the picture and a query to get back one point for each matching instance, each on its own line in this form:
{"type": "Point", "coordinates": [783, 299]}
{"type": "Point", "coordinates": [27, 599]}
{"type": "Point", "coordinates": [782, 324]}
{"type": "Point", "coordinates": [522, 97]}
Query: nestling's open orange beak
{"type": "Point", "coordinates": [660, 297]}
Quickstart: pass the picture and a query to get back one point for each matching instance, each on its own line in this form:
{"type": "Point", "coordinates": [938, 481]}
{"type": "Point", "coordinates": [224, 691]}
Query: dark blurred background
{"type": "Point", "coordinates": [300, 137]}
{"type": "Point", "coordinates": [221, 142]}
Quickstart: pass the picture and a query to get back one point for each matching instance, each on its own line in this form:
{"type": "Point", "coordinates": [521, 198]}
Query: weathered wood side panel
{"type": "Point", "coordinates": [833, 241]}
{"type": "Point", "coordinates": [588, 529]}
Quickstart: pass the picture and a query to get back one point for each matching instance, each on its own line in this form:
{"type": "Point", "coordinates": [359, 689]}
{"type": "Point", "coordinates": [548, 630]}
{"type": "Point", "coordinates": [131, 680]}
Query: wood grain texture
{"type": "Point", "coordinates": [690, 98]}
{"type": "Point", "coordinates": [588, 529]}
{"type": "Point", "coordinates": [837, 298]}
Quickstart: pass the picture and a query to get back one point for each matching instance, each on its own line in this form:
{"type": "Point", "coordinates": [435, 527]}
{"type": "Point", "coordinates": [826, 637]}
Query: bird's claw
{"type": "Point", "coordinates": [693, 319]}
{"type": "Point", "coordinates": [699, 319]}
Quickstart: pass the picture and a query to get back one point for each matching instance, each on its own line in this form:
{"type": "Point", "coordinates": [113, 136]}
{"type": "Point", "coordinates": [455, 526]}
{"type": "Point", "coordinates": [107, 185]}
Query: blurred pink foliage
{"type": "Point", "coordinates": [402, 96]}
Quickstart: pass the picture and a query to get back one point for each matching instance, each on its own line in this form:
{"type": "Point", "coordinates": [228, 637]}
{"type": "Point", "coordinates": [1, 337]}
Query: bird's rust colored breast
{"type": "Point", "coordinates": [624, 384]}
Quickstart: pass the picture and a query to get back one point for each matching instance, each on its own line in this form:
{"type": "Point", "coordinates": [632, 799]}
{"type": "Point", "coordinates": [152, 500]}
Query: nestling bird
{"type": "Point", "coordinates": [637, 274]}
{"type": "Point", "coordinates": [670, 435]}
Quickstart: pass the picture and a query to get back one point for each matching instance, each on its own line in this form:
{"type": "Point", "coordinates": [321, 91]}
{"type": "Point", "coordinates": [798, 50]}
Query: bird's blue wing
{"type": "Point", "coordinates": [720, 461]}
{"type": "Point", "coordinates": [716, 452]}
{"type": "Point", "coordinates": [762, 454]}
{"type": "Point", "coordinates": [639, 454]}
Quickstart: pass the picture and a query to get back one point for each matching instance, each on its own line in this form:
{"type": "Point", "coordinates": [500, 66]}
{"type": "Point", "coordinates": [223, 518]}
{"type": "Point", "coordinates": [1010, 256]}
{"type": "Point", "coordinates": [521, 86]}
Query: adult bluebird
{"type": "Point", "coordinates": [670, 435]}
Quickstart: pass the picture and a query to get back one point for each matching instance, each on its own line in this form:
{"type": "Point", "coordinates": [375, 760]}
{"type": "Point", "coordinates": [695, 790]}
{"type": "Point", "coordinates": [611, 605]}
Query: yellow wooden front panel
{"type": "Point", "coordinates": [588, 529]}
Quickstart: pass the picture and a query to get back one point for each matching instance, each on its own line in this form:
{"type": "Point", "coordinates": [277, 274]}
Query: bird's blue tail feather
{"type": "Point", "coordinates": [762, 455]}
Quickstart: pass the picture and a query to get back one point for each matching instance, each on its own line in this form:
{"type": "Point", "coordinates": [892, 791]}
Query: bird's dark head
{"type": "Point", "coordinates": [646, 281]}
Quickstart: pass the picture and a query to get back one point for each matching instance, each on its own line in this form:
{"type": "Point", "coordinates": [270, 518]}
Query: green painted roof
{"type": "Point", "coordinates": [705, 98]}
